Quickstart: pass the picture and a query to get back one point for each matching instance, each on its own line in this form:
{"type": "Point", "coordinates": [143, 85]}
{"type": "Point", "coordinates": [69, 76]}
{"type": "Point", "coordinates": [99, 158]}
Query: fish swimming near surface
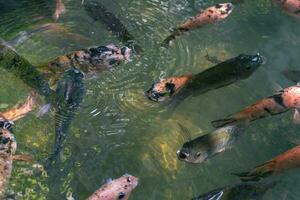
{"type": "Point", "coordinates": [8, 144]}
{"type": "Point", "coordinates": [59, 9]}
{"type": "Point", "coordinates": [89, 61]}
{"type": "Point", "coordinates": [178, 88]}
{"type": "Point", "coordinates": [25, 35]}
{"type": "Point", "coordinates": [21, 68]}
{"type": "Point", "coordinates": [292, 7]}
{"type": "Point", "coordinates": [281, 163]}
{"type": "Point", "coordinates": [98, 12]}
{"type": "Point", "coordinates": [210, 15]}
{"type": "Point", "coordinates": [117, 189]}
{"type": "Point", "coordinates": [238, 192]}
{"type": "Point", "coordinates": [206, 146]}
{"type": "Point", "coordinates": [286, 99]}
{"type": "Point", "coordinates": [69, 94]}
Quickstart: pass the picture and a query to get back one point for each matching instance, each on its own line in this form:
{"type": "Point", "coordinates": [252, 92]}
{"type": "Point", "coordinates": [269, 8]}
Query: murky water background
{"type": "Point", "coordinates": [117, 130]}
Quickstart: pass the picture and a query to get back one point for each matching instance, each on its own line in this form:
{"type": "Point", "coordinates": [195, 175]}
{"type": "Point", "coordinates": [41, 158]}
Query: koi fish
{"type": "Point", "coordinates": [284, 100]}
{"type": "Point", "coordinates": [208, 16]}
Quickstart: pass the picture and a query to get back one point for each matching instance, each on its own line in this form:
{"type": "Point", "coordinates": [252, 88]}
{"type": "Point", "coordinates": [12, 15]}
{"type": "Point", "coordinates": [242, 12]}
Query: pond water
{"type": "Point", "coordinates": [117, 130]}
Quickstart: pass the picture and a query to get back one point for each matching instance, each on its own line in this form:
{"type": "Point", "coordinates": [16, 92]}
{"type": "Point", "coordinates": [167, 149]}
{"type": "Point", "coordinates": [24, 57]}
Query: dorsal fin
{"type": "Point", "coordinates": [185, 131]}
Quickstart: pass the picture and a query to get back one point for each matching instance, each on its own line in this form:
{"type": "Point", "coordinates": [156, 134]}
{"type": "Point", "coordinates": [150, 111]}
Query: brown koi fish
{"type": "Point", "coordinates": [8, 144]}
{"type": "Point", "coordinates": [120, 188]}
{"type": "Point", "coordinates": [89, 61]}
{"type": "Point", "coordinates": [285, 161]}
{"type": "Point", "coordinates": [208, 16]}
{"type": "Point", "coordinates": [284, 100]}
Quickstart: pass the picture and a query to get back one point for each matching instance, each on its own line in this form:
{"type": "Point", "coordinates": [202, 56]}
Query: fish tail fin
{"type": "Point", "coordinates": [259, 172]}
{"type": "Point", "coordinates": [20, 110]}
{"type": "Point", "coordinates": [175, 32]}
{"type": "Point", "coordinates": [225, 122]}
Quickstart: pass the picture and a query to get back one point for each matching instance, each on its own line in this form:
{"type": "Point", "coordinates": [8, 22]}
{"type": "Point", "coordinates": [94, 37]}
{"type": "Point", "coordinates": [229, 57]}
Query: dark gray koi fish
{"type": "Point", "coordinates": [178, 88]}
{"type": "Point", "coordinates": [90, 61]}
{"type": "Point", "coordinates": [210, 15]}
{"type": "Point", "coordinates": [69, 94]}
{"type": "Point", "coordinates": [99, 13]}
{"type": "Point", "coordinates": [209, 145]}
{"type": "Point", "coordinates": [292, 7]}
{"type": "Point", "coordinates": [238, 192]}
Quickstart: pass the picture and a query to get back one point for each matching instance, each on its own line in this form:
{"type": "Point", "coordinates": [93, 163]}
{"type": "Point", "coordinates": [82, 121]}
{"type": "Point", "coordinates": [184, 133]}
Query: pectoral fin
{"type": "Point", "coordinates": [277, 87]}
{"type": "Point", "coordinates": [296, 117]}
{"type": "Point", "coordinates": [26, 158]}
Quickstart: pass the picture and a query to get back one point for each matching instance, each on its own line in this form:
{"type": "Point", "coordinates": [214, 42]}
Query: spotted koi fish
{"type": "Point", "coordinates": [237, 192]}
{"type": "Point", "coordinates": [120, 188]}
{"type": "Point", "coordinates": [89, 61]}
{"type": "Point", "coordinates": [208, 16]}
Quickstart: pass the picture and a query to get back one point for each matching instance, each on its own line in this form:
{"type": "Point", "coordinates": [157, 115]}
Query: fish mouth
{"type": "Point", "coordinates": [153, 95]}
{"type": "Point", "coordinates": [259, 59]}
{"type": "Point", "coordinates": [229, 8]}
{"type": "Point", "coordinates": [126, 52]}
{"type": "Point", "coordinates": [181, 155]}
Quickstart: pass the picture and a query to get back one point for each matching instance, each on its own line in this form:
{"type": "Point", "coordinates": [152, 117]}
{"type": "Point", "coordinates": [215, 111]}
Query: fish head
{"type": "Point", "coordinates": [110, 55]}
{"type": "Point", "coordinates": [249, 63]}
{"type": "Point", "coordinates": [166, 88]}
{"type": "Point", "coordinates": [120, 188]}
{"type": "Point", "coordinates": [7, 142]}
{"type": "Point", "coordinates": [223, 10]}
{"type": "Point", "coordinates": [193, 152]}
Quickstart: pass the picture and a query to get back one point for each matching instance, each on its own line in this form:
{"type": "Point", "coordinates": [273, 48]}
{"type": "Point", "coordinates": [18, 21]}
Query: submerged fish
{"type": "Point", "coordinates": [8, 143]}
{"type": "Point", "coordinates": [21, 68]}
{"type": "Point", "coordinates": [283, 162]}
{"type": "Point", "coordinates": [292, 75]}
{"type": "Point", "coordinates": [220, 75]}
{"type": "Point", "coordinates": [238, 192]}
{"type": "Point", "coordinates": [206, 146]}
{"type": "Point", "coordinates": [59, 9]}
{"type": "Point", "coordinates": [208, 16]}
{"type": "Point", "coordinates": [24, 35]}
{"type": "Point", "coordinates": [90, 61]}
{"type": "Point", "coordinates": [284, 100]}
{"type": "Point", "coordinates": [292, 7]}
{"type": "Point", "coordinates": [120, 188]}
{"type": "Point", "coordinates": [99, 13]}
{"type": "Point", "coordinates": [69, 94]}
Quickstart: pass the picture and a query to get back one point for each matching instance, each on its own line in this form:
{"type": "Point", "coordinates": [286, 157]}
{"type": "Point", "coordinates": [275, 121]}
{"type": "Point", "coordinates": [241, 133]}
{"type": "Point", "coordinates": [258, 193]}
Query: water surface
{"type": "Point", "coordinates": [117, 130]}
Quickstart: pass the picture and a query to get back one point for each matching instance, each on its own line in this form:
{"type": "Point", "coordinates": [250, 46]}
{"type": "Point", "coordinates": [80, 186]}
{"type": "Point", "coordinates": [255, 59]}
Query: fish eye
{"type": "Point", "coordinates": [128, 179]}
{"type": "Point", "coordinates": [198, 154]}
{"type": "Point", "coordinates": [121, 195]}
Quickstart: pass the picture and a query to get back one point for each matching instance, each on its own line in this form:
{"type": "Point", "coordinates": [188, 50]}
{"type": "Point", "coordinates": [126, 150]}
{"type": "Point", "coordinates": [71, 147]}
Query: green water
{"type": "Point", "coordinates": [117, 130]}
